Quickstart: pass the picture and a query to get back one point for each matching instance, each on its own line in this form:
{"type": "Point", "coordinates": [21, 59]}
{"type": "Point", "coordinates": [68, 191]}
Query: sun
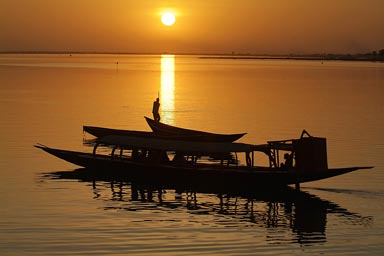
{"type": "Point", "coordinates": [168, 18]}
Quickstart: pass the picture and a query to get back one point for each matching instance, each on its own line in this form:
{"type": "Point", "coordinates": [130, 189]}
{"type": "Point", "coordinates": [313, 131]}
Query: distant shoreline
{"type": "Point", "coordinates": [320, 57]}
{"type": "Point", "coordinates": [287, 58]}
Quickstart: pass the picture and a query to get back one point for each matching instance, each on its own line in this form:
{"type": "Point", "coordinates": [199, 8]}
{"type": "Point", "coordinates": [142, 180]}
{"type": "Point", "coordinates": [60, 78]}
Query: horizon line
{"type": "Point", "coordinates": [186, 53]}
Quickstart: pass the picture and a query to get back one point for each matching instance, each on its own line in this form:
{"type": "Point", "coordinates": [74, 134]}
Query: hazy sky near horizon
{"type": "Point", "coordinates": [202, 26]}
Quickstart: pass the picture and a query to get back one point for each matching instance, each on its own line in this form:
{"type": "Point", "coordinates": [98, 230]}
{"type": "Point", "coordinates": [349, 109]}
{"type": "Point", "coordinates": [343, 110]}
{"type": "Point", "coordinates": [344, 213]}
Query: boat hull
{"type": "Point", "coordinates": [164, 129]}
{"type": "Point", "coordinates": [100, 132]}
{"type": "Point", "coordinates": [119, 168]}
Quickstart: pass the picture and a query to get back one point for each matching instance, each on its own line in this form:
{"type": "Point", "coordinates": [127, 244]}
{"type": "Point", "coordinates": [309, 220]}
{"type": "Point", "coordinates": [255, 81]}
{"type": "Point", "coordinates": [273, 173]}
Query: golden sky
{"type": "Point", "coordinates": [202, 26]}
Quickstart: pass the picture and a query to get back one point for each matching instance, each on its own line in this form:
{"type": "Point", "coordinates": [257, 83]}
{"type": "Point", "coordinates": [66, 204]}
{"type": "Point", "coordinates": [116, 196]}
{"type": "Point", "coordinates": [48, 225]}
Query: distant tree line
{"type": "Point", "coordinates": [371, 56]}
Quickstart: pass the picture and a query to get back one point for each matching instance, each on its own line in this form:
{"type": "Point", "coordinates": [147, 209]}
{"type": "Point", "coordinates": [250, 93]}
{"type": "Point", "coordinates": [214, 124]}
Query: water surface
{"type": "Point", "coordinates": [48, 98]}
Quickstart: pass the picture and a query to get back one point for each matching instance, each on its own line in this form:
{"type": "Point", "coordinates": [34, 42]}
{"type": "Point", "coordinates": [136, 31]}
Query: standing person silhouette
{"type": "Point", "coordinates": [155, 110]}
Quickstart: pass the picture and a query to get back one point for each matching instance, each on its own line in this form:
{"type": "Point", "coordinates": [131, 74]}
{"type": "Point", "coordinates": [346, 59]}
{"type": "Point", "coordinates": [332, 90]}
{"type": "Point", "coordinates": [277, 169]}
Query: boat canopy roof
{"type": "Point", "coordinates": [132, 142]}
{"type": "Point", "coordinates": [266, 148]}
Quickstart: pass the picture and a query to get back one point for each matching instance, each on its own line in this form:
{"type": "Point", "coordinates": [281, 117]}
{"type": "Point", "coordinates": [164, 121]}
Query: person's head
{"type": "Point", "coordinates": [157, 99]}
{"type": "Point", "coordinates": [286, 155]}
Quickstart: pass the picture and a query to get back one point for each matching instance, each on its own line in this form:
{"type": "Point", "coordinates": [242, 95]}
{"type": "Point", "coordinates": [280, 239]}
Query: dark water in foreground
{"type": "Point", "coordinates": [47, 98]}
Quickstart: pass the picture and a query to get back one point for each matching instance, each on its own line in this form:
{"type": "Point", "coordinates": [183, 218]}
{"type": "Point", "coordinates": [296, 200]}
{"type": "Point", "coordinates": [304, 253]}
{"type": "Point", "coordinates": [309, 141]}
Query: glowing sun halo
{"type": "Point", "coordinates": [168, 18]}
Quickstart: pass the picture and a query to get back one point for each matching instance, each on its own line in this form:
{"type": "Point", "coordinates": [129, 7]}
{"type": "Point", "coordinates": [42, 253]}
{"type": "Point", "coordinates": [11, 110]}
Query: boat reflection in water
{"type": "Point", "coordinates": [280, 212]}
{"type": "Point", "coordinates": [167, 88]}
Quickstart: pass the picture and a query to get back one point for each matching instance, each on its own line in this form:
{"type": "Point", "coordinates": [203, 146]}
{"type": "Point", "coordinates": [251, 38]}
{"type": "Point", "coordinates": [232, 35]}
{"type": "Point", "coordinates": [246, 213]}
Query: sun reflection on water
{"type": "Point", "coordinates": [167, 88]}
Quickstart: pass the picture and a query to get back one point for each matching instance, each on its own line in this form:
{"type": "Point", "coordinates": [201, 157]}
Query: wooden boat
{"type": "Point", "coordinates": [99, 132]}
{"type": "Point", "coordinates": [165, 129]}
{"type": "Point", "coordinates": [209, 162]}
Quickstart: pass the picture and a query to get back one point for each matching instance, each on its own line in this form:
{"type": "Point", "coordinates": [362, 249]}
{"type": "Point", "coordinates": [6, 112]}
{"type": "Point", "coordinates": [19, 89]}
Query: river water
{"type": "Point", "coordinates": [48, 98]}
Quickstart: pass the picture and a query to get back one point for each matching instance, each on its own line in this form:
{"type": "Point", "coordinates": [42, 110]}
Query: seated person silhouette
{"type": "Point", "coordinates": [179, 159]}
{"type": "Point", "coordinates": [288, 161]}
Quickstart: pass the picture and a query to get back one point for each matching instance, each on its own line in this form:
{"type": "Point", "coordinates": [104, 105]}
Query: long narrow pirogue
{"type": "Point", "coordinates": [209, 162]}
{"type": "Point", "coordinates": [100, 132]}
{"type": "Point", "coordinates": [166, 129]}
